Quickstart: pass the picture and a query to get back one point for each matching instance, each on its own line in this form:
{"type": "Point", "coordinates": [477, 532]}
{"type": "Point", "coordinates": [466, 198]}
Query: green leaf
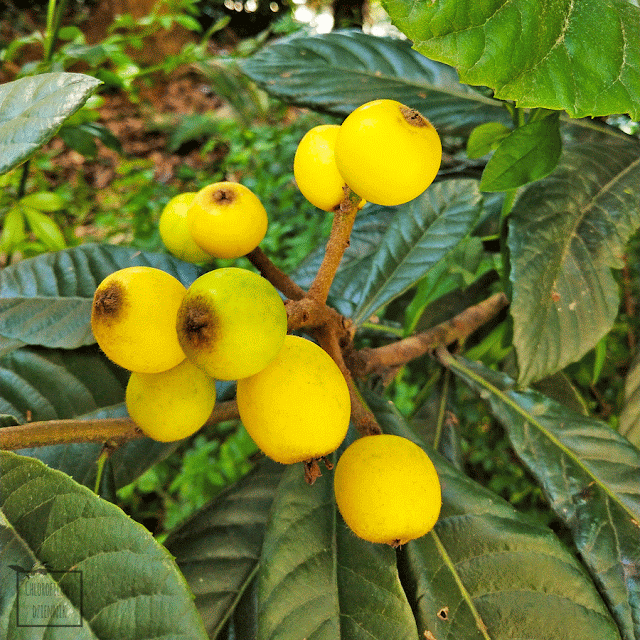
{"type": "Point", "coordinates": [218, 548]}
{"type": "Point", "coordinates": [419, 235]}
{"type": "Point", "coordinates": [485, 138]}
{"type": "Point", "coordinates": [566, 233]}
{"type": "Point", "coordinates": [33, 108]}
{"type": "Point", "coordinates": [339, 71]}
{"type": "Point", "coordinates": [538, 55]}
{"type": "Point", "coordinates": [317, 580]}
{"type": "Point", "coordinates": [527, 154]}
{"type": "Point", "coordinates": [47, 300]}
{"type": "Point", "coordinates": [13, 230]}
{"type": "Point", "coordinates": [43, 201]}
{"type": "Point", "coordinates": [131, 586]}
{"type": "Point", "coordinates": [589, 473]}
{"type": "Point", "coordinates": [630, 415]}
{"type": "Point", "coordinates": [45, 229]}
{"type": "Point", "coordinates": [488, 572]}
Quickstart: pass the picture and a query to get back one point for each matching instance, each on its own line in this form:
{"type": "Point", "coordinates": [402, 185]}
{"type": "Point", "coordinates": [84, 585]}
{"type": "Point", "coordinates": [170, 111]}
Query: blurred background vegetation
{"type": "Point", "coordinates": [174, 114]}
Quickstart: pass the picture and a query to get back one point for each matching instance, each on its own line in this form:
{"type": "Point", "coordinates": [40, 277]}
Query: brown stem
{"type": "Point", "coordinates": [379, 359]}
{"type": "Point", "coordinates": [278, 278]}
{"type": "Point", "coordinates": [337, 244]}
{"type": "Point", "coordinates": [362, 418]}
{"type": "Point", "coordinates": [118, 430]}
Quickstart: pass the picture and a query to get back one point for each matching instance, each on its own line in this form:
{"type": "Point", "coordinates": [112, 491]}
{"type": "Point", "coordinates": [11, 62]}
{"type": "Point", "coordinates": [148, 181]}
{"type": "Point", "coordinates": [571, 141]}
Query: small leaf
{"type": "Point", "coordinates": [218, 548]}
{"type": "Point", "coordinates": [590, 475]}
{"type": "Point", "coordinates": [131, 586]}
{"type": "Point", "coordinates": [420, 234]}
{"type": "Point", "coordinates": [538, 55]}
{"type": "Point", "coordinates": [13, 230]}
{"type": "Point", "coordinates": [45, 229]}
{"type": "Point", "coordinates": [33, 108]}
{"type": "Point", "coordinates": [485, 138]}
{"type": "Point", "coordinates": [43, 201]}
{"type": "Point", "coordinates": [80, 140]}
{"type": "Point", "coordinates": [339, 71]}
{"type": "Point", "coordinates": [527, 154]}
{"type": "Point", "coordinates": [566, 233]}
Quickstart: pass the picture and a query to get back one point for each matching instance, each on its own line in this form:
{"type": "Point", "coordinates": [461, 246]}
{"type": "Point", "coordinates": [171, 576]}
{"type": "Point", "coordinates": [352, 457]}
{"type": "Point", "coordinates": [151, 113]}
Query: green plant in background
{"type": "Point", "coordinates": [512, 258]}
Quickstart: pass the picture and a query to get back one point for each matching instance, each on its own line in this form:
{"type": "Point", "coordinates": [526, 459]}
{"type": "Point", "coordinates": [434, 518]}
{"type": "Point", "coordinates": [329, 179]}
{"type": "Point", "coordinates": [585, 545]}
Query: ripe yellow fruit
{"type": "Point", "coordinates": [174, 230]}
{"type": "Point", "coordinates": [171, 405]}
{"type": "Point", "coordinates": [231, 323]}
{"type": "Point", "coordinates": [315, 170]}
{"type": "Point", "coordinates": [297, 408]}
{"type": "Point", "coordinates": [387, 153]}
{"type": "Point", "coordinates": [387, 489]}
{"type": "Point", "coordinates": [227, 220]}
{"type": "Point", "coordinates": [134, 318]}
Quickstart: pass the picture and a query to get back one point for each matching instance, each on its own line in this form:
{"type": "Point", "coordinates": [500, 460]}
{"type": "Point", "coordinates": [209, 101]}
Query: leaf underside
{"type": "Point", "coordinates": [566, 233]}
{"type": "Point", "coordinates": [590, 474]}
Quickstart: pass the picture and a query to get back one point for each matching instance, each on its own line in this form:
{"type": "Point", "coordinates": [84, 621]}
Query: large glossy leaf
{"type": "Point", "coordinates": [130, 585]}
{"type": "Point", "coordinates": [630, 415]}
{"type": "Point", "coordinates": [566, 233]}
{"type": "Point", "coordinates": [33, 108]}
{"type": "Point", "coordinates": [591, 475]}
{"type": "Point", "coordinates": [582, 58]}
{"type": "Point", "coordinates": [48, 384]}
{"type": "Point", "coordinates": [46, 300]}
{"type": "Point", "coordinates": [339, 71]}
{"type": "Point", "coordinates": [420, 234]}
{"type": "Point", "coordinates": [488, 572]}
{"type": "Point", "coordinates": [218, 548]}
{"type": "Point", "coordinates": [317, 580]}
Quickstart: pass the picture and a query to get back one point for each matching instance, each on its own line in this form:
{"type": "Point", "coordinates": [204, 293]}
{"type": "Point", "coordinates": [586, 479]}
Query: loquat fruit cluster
{"type": "Point", "coordinates": [231, 324]}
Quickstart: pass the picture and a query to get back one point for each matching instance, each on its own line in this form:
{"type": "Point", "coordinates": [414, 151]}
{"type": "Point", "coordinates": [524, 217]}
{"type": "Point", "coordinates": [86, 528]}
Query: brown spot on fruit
{"type": "Point", "coordinates": [224, 196]}
{"type": "Point", "coordinates": [196, 324]}
{"type": "Point", "coordinates": [414, 117]}
{"type": "Point", "coordinates": [108, 302]}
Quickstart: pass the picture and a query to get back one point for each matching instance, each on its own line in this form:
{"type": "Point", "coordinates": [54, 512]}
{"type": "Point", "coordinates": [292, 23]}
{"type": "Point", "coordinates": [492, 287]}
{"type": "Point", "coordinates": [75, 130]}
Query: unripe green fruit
{"type": "Point", "coordinates": [227, 220]}
{"type": "Point", "coordinates": [174, 230]}
{"type": "Point", "coordinates": [387, 489]}
{"type": "Point", "coordinates": [387, 153]}
{"type": "Point", "coordinates": [231, 323]}
{"type": "Point", "coordinates": [133, 318]}
{"type": "Point", "coordinates": [171, 405]}
{"type": "Point", "coordinates": [298, 407]}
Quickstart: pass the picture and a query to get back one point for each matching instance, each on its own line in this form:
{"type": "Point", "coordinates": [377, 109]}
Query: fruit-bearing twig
{"type": "Point", "coordinates": [338, 242]}
{"type": "Point", "coordinates": [278, 278]}
{"type": "Point", "coordinates": [378, 359]}
{"type": "Point", "coordinates": [112, 430]}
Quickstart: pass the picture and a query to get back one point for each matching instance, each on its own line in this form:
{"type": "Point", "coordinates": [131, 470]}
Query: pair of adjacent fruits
{"type": "Point", "coordinates": [222, 220]}
{"type": "Point", "coordinates": [384, 152]}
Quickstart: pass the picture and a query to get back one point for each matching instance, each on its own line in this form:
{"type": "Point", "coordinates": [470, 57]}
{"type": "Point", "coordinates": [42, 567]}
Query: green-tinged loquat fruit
{"type": "Point", "coordinates": [231, 323]}
{"type": "Point", "coordinates": [387, 489]}
{"type": "Point", "coordinates": [227, 220]}
{"type": "Point", "coordinates": [387, 153]}
{"type": "Point", "coordinates": [315, 170]}
{"type": "Point", "coordinates": [174, 230]}
{"type": "Point", "coordinates": [171, 405]}
{"type": "Point", "coordinates": [298, 407]}
{"type": "Point", "coordinates": [133, 318]}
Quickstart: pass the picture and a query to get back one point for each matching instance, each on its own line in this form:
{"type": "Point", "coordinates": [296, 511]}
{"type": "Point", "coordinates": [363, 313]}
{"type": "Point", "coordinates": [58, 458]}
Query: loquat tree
{"type": "Point", "coordinates": [491, 197]}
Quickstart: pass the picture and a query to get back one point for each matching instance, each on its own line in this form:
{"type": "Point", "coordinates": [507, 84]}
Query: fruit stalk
{"type": "Point", "coordinates": [279, 279]}
{"type": "Point", "coordinates": [118, 430]}
{"type": "Point", "coordinates": [338, 242]}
